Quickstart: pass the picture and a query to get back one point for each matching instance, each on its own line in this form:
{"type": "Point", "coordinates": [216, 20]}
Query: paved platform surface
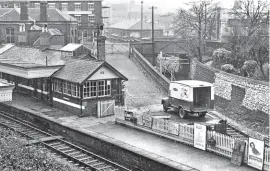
{"type": "Point", "coordinates": [204, 161]}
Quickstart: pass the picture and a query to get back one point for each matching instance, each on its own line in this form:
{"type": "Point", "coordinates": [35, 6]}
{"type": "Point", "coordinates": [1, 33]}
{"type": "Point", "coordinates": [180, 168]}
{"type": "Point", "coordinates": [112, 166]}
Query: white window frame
{"type": "Point", "coordinates": [22, 28]}
{"type": "Point", "coordinates": [78, 17]}
{"type": "Point", "coordinates": [51, 5]}
{"type": "Point", "coordinates": [75, 90]}
{"type": "Point", "coordinates": [64, 5]}
{"type": "Point", "coordinates": [91, 6]}
{"type": "Point", "coordinates": [98, 88]}
{"type": "Point", "coordinates": [37, 5]}
{"type": "Point", "coordinates": [17, 5]}
{"type": "Point", "coordinates": [76, 5]}
{"type": "Point", "coordinates": [57, 86]}
{"type": "Point", "coordinates": [91, 18]}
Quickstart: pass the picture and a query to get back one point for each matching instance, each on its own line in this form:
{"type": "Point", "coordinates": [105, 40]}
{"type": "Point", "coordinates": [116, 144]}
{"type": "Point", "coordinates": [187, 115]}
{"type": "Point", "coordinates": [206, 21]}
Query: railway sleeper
{"type": "Point", "coordinates": [96, 164]}
{"type": "Point", "coordinates": [68, 151]}
{"type": "Point", "coordinates": [86, 158]}
{"type": "Point", "coordinates": [54, 143]}
{"type": "Point", "coordinates": [80, 156]}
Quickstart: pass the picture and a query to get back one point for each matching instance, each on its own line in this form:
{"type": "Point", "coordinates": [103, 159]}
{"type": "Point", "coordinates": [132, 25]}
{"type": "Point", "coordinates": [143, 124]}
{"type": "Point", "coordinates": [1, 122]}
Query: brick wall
{"type": "Point", "coordinates": [232, 92]}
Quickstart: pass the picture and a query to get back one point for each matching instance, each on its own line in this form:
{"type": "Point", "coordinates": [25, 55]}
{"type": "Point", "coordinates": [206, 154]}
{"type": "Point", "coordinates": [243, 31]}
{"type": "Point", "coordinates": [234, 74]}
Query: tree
{"type": "Point", "coordinates": [250, 32]}
{"type": "Point", "coordinates": [196, 24]}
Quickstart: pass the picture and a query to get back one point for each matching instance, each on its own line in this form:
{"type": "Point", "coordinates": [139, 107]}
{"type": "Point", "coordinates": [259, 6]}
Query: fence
{"type": "Point", "coordinates": [224, 144]}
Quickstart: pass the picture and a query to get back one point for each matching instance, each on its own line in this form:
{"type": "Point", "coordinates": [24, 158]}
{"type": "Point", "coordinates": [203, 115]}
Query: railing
{"type": "Point", "coordinates": [224, 144]}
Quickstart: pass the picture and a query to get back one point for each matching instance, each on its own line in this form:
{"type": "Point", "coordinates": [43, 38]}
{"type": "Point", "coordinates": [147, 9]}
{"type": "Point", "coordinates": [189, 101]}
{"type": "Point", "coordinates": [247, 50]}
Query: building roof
{"type": "Point", "coordinates": [194, 83]}
{"type": "Point", "coordinates": [78, 71]}
{"type": "Point", "coordinates": [71, 47]}
{"type": "Point", "coordinates": [134, 25]}
{"type": "Point", "coordinates": [13, 14]}
{"type": "Point", "coordinates": [30, 57]}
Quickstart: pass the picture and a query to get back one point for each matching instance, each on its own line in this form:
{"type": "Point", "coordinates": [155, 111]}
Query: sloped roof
{"type": "Point", "coordinates": [30, 57]}
{"type": "Point", "coordinates": [78, 71]}
{"type": "Point", "coordinates": [13, 14]}
{"type": "Point", "coordinates": [71, 47]}
{"type": "Point", "coordinates": [134, 25]}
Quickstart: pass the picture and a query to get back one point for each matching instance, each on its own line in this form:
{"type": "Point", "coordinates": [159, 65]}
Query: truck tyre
{"type": "Point", "coordinates": [165, 108]}
{"type": "Point", "coordinates": [182, 113]}
{"type": "Point", "coordinates": [202, 114]}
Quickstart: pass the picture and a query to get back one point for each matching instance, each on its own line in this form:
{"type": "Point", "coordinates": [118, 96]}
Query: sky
{"type": "Point", "coordinates": [164, 6]}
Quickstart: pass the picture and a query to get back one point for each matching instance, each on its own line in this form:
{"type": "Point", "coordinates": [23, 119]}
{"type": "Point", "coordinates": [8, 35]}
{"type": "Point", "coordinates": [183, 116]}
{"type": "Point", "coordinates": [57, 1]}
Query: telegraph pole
{"type": "Point", "coordinates": [153, 38]}
{"type": "Point", "coordinates": [141, 20]}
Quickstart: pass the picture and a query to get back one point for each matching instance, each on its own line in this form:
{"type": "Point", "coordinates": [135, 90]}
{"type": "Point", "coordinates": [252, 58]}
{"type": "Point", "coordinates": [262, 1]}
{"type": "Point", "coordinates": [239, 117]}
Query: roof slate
{"type": "Point", "coordinates": [13, 14]}
{"type": "Point", "coordinates": [77, 71]}
{"type": "Point", "coordinates": [26, 55]}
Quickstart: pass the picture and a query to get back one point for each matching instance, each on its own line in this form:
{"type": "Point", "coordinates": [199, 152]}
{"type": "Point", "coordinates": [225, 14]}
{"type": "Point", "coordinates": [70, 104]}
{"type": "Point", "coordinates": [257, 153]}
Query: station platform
{"type": "Point", "coordinates": [150, 144]}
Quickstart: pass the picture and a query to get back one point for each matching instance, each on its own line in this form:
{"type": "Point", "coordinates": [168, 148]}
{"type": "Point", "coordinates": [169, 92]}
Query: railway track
{"type": "Point", "coordinates": [74, 154]}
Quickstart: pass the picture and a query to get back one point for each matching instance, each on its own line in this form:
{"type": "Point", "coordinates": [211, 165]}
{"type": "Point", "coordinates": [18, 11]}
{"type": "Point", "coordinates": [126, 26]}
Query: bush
{"type": "Point", "coordinates": [249, 67]}
{"type": "Point", "coordinates": [221, 56]}
{"type": "Point", "coordinates": [258, 74]}
{"type": "Point", "coordinates": [228, 68]}
{"type": "Point", "coordinates": [16, 156]}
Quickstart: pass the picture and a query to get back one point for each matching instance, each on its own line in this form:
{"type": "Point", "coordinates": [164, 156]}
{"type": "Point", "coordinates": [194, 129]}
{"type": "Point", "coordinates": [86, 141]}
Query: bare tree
{"type": "Point", "coordinates": [250, 32]}
{"type": "Point", "coordinates": [192, 24]}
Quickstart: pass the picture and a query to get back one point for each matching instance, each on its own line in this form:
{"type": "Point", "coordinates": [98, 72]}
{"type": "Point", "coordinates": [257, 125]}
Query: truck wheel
{"type": "Point", "coordinates": [165, 108]}
{"type": "Point", "coordinates": [182, 113]}
{"type": "Point", "coordinates": [202, 114]}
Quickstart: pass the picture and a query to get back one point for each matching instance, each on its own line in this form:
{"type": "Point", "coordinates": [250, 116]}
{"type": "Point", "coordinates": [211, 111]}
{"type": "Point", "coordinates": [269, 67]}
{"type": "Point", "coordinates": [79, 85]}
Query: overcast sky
{"type": "Point", "coordinates": [167, 5]}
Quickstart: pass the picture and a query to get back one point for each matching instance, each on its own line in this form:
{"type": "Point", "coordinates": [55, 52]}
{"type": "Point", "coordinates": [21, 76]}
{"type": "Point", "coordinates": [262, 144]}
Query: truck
{"type": "Point", "coordinates": [189, 97]}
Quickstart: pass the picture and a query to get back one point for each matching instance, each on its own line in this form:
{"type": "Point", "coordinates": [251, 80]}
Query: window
{"type": "Point", "coordinates": [77, 6]}
{"type": "Point", "coordinates": [51, 5]}
{"type": "Point", "coordinates": [66, 88]}
{"type": "Point", "coordinates": [97, 88]}
{"type": "Point", "coordinates": [91, 6]}
{"type": "Point", "coordinates": [16, 5]}
{"type": "Point", "coordinates": [57, 86]}
{"type": "Point", "coordinates": [75, 90]}
{"type": "Point", "coordinates": [22, 27]}
{"type": "Point", "coordinates": [37, 5]}
{"type": "Point", "coordinates": [64, 6]}
{"type": "Point", "coordinates": [10, 35]}
{"type": "Point", "coordinates": [91, 18]}
{"type": "Point", "coordinates": [78, 17]}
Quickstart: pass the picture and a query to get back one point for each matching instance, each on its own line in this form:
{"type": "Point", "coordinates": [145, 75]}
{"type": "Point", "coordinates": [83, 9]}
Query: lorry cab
{"type": "Point", "coordinates": [190, 96]}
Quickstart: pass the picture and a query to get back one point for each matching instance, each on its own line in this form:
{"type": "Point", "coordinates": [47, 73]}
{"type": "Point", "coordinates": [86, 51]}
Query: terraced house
{"type": "Point", "coordinates": [87, 12]}
{"type": "Point", "coordinates": [23, 25]}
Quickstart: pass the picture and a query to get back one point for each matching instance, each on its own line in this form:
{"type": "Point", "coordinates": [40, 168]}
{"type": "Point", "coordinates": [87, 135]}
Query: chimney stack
{"type": "Point", "coordinates": [43, 11]}
{"type": "Point", "coordinates": [44, 40]}
{"type": "Point", "coordinates": [24, 10]}
{"type": "Point", "coordinates": [101, 48]}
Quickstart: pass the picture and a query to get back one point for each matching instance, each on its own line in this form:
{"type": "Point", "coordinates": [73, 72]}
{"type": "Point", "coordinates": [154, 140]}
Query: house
{"type": "Point", "coordinates": [87, 12]}
{"type": "Point", "coordinates": [62, 78]}
{"type": "Point", "coordinates": [132, 28]}
{"type": "Point", "coordinates": [23, 25]}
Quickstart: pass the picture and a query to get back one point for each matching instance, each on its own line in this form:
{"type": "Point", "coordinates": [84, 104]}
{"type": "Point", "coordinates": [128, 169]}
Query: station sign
{"type": "Point", "coordinates": [200, 136]}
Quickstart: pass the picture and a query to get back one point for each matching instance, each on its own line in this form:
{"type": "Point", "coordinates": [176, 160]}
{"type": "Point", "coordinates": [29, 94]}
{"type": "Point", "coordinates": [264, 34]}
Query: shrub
{"type": "Point", "coordinates": [249, 67]}
{"type": "Point", "coordinates": [221, 56]}
{"type": "Point", "coordinates": [258, 74]}
{"type": "Point", "coordinates": [228, 68]}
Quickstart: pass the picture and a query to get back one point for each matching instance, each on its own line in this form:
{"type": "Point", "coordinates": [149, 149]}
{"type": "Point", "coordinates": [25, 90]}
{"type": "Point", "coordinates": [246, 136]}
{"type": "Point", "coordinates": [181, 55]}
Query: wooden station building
{"type": "Point", "coordinates": [71, 80]}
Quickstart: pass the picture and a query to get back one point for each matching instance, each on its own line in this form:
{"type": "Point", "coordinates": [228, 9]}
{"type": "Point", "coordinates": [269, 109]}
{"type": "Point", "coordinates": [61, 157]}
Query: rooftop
{"type": "Point", "coordinates": [194, 83]}
{"type": "Point", "coordinates": [13, 14]}
{"type": "Point", "coordinates": [134, 25]}
{"type": "Point", "coordinates": [71, 47]}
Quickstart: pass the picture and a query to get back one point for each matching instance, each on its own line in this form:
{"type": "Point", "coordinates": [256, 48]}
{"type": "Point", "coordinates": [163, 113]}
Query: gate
{"type": "Point", "coordinates": [105, 108]}
{"type": "Point", "coordinates": [116, 48]}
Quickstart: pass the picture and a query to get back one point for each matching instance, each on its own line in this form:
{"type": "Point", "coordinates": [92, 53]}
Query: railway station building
{"type": "Point", "coordinates": [70, 79]}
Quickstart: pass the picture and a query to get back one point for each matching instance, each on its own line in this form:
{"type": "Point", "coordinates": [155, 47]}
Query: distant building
{"type": "Point", "coordinates": [24, 25]}
{"type": "Point", "coordinates": [125, 11]}
{"type": "Point", "coordinates": [68, 79]}
{"type": "Point", "coordinates": [132, 28]}
{"type": "Point", "coordinates": [87, 12]}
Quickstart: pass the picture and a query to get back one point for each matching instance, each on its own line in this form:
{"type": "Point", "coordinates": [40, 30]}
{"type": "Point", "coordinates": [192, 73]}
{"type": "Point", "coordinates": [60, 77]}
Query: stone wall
{"type": "Point", "coordinates": [149, 70]}
{"type": "Point", "coordinates": [232, 89]}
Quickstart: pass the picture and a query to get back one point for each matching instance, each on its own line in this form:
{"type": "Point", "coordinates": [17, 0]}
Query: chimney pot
{"type": "Point", "coordinates": [24, 10]}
